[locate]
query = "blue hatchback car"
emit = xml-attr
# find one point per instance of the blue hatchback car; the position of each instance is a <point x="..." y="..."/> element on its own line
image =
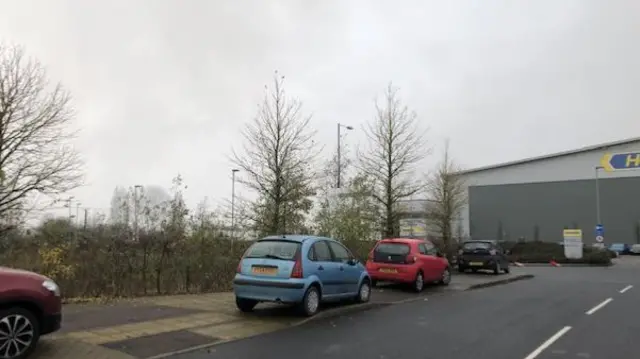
<point x="299" y="269"/>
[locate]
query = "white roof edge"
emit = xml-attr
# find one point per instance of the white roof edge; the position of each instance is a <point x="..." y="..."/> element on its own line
<point x="549" y="156"/>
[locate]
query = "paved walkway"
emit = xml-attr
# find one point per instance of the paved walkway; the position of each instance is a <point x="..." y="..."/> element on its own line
<point x="153" y="326"/>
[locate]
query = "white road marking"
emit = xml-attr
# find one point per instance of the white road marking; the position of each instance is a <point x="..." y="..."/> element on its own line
<point x="599" y="306"/>
<point x="534" y="354"/>
<point x="626" y="288"/>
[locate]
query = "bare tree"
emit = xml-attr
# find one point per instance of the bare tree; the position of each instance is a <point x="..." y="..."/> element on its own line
<point x="396" y="145"/>
<point x="35" y="120"/>
<point x="277" y="162"/>
<point x="449" y="194"/>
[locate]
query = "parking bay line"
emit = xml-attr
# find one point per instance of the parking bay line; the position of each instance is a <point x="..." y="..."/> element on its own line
<point x="599" y="306"/>
<point x="534" y="354"/>
<point x="625" y="289"/>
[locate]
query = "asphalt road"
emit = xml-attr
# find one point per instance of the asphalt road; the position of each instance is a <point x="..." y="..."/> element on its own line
<point x="514" y="321"/>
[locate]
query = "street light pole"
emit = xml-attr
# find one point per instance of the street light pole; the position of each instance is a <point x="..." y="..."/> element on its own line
<point x="340" y="152"/>
<point x="233" y="205"/>
<point x="68" y="200"/>
<point x="598" y="219"/>
<point x="135" y="211"/>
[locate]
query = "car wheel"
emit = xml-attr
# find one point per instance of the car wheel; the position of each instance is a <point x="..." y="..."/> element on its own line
<point x="364" y="293"/>
<point x="461" y="269"/>
<point x="506" y="269"/>
<point x="246" y="305"/>
<point x="374" y="283"/>
<point x="311" y="301"/>
<point x="418" y="283"/>
<point x="446" y="277"/>
<point x="497" y="269"/>
<point x="19" y="333"/>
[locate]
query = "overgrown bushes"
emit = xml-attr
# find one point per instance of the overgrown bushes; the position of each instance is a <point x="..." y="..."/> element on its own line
<point x="100" y="262"/>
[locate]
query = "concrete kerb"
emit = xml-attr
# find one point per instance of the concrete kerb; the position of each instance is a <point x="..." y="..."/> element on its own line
<point x="580" y="265"/>
<point x="501" y="281"/>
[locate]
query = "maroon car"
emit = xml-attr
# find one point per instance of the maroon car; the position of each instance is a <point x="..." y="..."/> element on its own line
<point x="30" y="306"/>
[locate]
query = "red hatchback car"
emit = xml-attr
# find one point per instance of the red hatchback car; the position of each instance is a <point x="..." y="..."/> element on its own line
<point x="407" y="260"/>
<point x="30" y="306"/>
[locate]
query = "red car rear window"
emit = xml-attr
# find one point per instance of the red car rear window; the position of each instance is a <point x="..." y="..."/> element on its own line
<point x="393" y="248"/>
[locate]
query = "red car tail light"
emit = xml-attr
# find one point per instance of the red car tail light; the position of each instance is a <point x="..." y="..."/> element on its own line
<point x="410" y="259"/>
<point x="296" y="272"/>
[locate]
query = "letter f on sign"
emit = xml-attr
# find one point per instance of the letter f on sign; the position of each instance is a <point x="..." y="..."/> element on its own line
<point x="633" y="160"/>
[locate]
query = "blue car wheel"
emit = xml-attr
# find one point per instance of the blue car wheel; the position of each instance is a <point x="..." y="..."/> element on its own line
<point x="246" y="305"/>
<point x="364" y="294"/>
<point x="311" y="301"/>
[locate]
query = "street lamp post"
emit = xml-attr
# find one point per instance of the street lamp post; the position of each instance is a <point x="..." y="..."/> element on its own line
<point x="135" y="211"/>
<point x="339" y="152"/>
<point x="598" y="219"/>
<point x="233" y="205"/>
<point x="68" y="200"/>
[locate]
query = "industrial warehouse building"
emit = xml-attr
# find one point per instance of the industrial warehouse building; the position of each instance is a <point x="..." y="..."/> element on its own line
<point x="536" y="198"/>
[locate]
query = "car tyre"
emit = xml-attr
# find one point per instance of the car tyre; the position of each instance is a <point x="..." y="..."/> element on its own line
<point x="29" y="335"/>
<point x="418" y="283"/>
<point x="497" y="268"/>
<point x="364" y="292"/>
<point x="446" y="277"/>
<point x="461" y="269"/>
<point x="246" y="305"/>
<point x="374" y="283"/>
<point x="507" y="270"/>
<point x="311" y="301"/>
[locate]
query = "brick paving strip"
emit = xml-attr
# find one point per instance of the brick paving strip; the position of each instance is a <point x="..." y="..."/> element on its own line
<point x="152" y="327"/>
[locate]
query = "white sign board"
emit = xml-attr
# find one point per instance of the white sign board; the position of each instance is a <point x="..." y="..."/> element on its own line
<point x="573" y="245"/>
<point x="413" y="228"/>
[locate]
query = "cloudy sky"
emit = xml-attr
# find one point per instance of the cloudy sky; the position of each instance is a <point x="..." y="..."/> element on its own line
<point x="163" y="87"/>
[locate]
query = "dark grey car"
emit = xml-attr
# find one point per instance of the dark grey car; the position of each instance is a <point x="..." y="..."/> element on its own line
<point x="482" y="255"/>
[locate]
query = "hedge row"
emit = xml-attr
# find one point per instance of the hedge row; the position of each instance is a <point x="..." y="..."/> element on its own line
<point x="106" y="267"/>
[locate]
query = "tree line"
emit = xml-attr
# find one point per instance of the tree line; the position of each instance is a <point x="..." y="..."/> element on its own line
<point x="169" y="248"/>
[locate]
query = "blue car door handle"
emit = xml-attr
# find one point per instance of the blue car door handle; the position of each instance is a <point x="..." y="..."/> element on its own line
<point x="320" y="268"/>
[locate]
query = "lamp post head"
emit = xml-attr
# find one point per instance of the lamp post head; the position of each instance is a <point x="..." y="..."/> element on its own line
<point x="235" y="170"/>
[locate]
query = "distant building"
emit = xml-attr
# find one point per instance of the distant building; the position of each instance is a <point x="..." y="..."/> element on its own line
<point x="536" y="198"/>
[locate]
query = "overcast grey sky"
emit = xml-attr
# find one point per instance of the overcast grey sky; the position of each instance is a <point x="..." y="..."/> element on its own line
<point x="163" y="87"/>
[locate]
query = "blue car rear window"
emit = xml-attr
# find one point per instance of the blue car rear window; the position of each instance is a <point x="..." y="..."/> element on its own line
<point x="273" y="249"/>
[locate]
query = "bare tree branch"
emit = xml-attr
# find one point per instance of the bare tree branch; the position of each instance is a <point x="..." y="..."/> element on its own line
<point x="449" y="194"/>
<point x="277" y="160"/>
<point x="396" y="145"/>
<point x="35" y="120"/>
